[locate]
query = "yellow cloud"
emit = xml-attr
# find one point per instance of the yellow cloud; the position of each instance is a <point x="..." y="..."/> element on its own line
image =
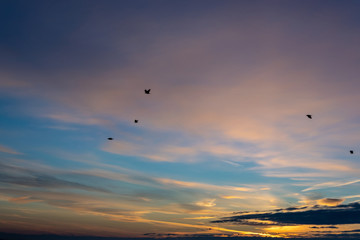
<point x="207" y="203"/>
<point x="232" y="197"/>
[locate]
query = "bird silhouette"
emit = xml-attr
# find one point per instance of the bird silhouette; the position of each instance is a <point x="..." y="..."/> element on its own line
<point x="309" y="116"/>
<point x="351" y="152"/>
<point x="136" y="121"/>
<point x="110" y="138"/>
<point x="147" y="91"/>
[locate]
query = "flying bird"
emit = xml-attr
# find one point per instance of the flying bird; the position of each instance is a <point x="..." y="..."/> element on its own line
<point x="309" y="116"/>
<point x="147" y="91"/>
<point x="136" y="121"/>
<point x="110" y="138"/>
<point x="351" y="152"/>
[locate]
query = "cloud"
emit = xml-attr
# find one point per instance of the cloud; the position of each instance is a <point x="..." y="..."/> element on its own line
<point x="23" y="199"/>
<point x="8" y="80"/>
<point x="333" y="227"/>
<point x="75" y="119"/>
<point x="331" y="215"/>
<point x="200" y="218"/>
<point x="304" y="163"/>
<point x="352" y="196"/>
<point x="8" y="150"/>
<point x="147" y="180"/>
<point x="207" y="203"/>
<point x="351" y="234"/>
<point x="232" y="197"/>
<point x="30" y="178"/>
<point x="330" y="201"/>
<point x="164" y="149"/>
<point x="65" y="128"/>
<point x="330" y="185"/>
<point x="44" y="181"/>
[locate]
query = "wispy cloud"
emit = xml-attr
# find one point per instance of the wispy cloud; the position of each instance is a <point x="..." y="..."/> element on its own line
<point x="8" y="150"/>
<point x="62" y="128"/>
<point x="73" y="118"/>
<point x="172" y="151"/>
<point x="29" y="178"/>
<point x="9" y="80"/>
<point x="330" y="185"/>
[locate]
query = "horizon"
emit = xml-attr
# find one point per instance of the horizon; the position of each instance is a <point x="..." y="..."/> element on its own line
<point x="182" y="119"/>
<point x="14" y="236"/>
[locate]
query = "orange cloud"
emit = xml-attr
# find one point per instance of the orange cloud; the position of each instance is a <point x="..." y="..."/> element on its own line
<point x="330" y="201"/>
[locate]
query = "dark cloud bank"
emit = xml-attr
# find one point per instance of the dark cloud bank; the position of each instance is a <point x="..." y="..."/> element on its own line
<point x="317" y="215"/>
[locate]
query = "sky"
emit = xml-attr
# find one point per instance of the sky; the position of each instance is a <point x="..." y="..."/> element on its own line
<point x="222" y="147"/>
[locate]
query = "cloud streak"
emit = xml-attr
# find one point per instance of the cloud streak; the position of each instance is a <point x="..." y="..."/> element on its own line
<point x="29" y="178"/>
<point x="8" y="150"/>
<point x="330" y="185"/>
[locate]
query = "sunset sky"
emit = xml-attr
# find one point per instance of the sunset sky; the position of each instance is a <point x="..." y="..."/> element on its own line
<point x="223" y="146"/>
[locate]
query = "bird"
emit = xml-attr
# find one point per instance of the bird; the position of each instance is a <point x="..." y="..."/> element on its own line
<point x="136" y="121"/>
<point x="351" y="152"/>
<point x="110" y="138"/>
<point x="309" y="116"/>
<point x="147" y="91"/>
